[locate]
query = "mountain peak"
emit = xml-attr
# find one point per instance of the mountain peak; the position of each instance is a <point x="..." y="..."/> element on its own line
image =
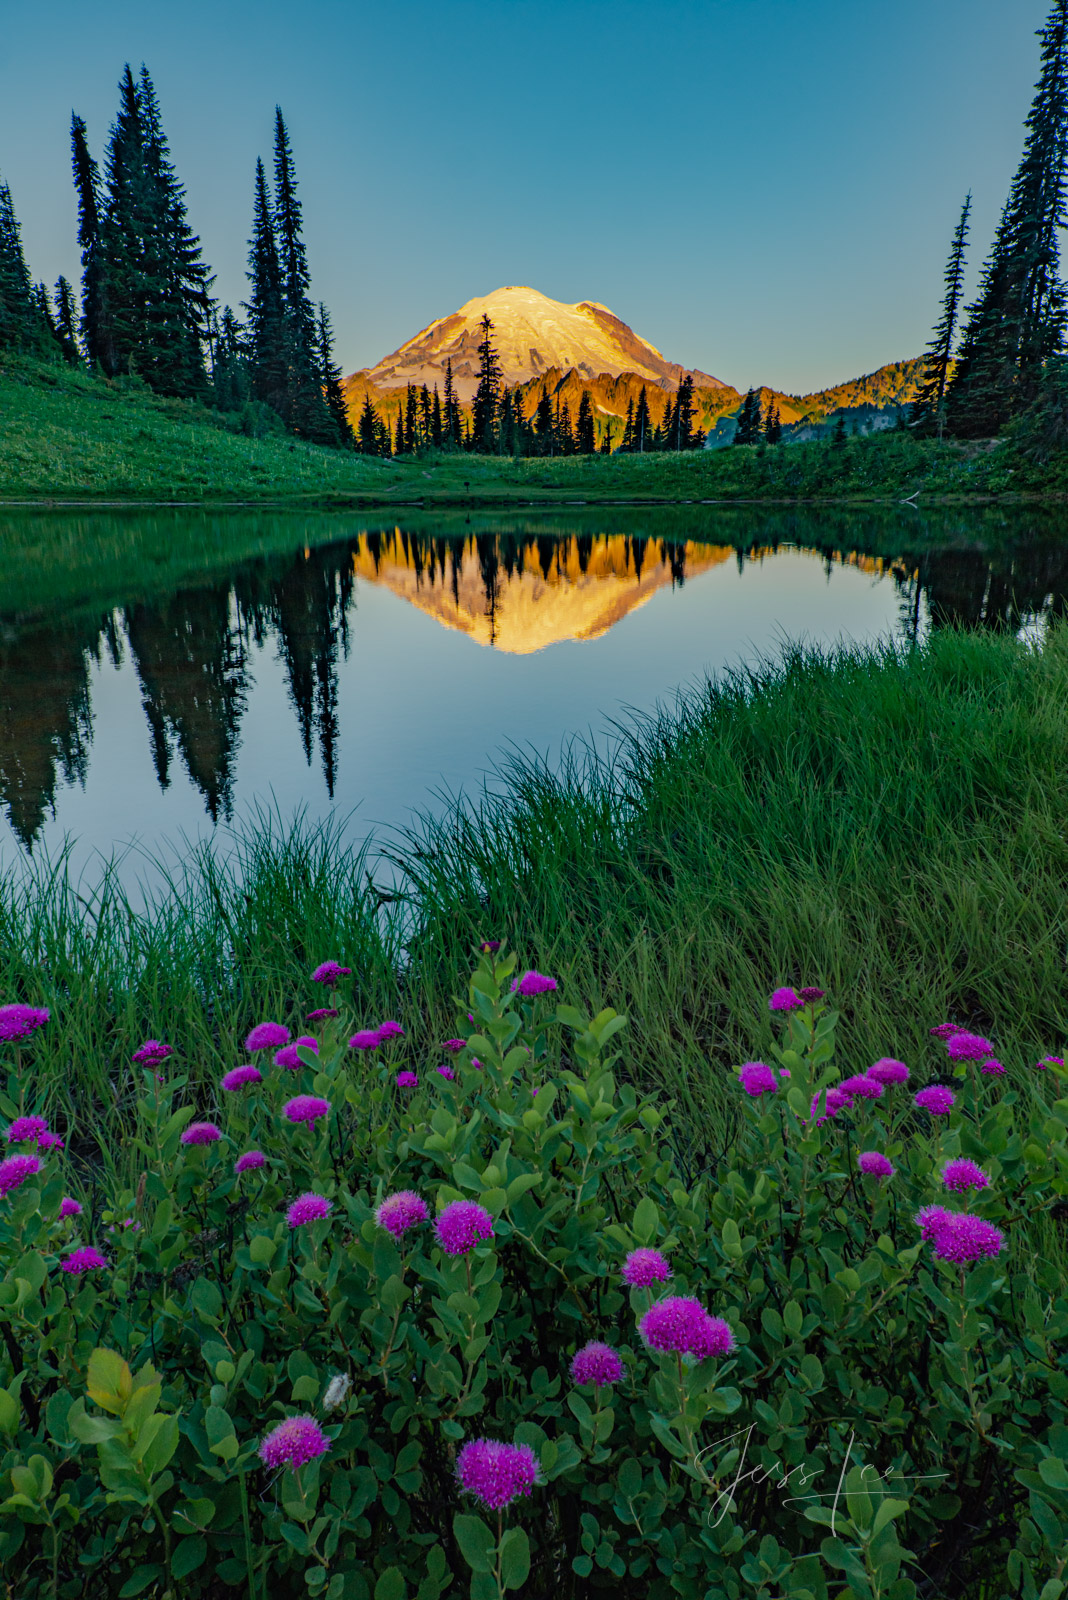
<point x="533" y="334"/>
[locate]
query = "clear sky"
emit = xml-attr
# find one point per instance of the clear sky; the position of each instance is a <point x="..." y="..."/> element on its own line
<point x="764" y="189"/>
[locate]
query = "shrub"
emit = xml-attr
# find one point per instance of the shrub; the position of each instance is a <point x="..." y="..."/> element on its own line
<point x="475" y="1335"/>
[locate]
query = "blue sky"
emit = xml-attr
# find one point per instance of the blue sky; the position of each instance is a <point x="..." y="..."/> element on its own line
<point x="765" y="189"/>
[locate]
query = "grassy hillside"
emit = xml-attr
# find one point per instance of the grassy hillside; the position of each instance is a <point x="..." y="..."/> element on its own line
<point x="66" y="436"/>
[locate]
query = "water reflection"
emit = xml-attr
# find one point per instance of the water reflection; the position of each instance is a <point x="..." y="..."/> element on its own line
<point x="190" y="614"/>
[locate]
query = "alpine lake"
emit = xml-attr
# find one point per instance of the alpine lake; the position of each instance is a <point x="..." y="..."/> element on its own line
<point x="170" y="672"/>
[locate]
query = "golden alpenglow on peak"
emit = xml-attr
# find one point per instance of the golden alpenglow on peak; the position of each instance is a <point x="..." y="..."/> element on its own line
<point x="532" y="335"/>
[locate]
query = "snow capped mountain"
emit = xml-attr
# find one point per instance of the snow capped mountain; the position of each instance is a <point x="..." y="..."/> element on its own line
<point x="532" y="334"/>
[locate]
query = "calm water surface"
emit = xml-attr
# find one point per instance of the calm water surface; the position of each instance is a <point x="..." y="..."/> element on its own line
<point x="163" y="673"/>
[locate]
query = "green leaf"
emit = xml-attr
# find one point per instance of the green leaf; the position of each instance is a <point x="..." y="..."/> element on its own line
<point x="261" y="1249"/>
<point x="888" y="1510"/>
<point x="732" y="1240"/>
<point x="477" y="1544"/>
<point x="515" y="1558"/>
<point x="1052" y="1472"/>
<point x="630" y="1479"/>
<point x="161" y="1446"/>
<point x="646" y="1220"/>
<point x="206" y="1300"/>
<point x="110" y="1381"/>
<point x="189" y="1555"/>
<point x="140" y="1580"/>
<point x="391" y="1585"/>
<point x="9" y="1413"/>
<point x="792" y="1318"/>
<point x="198" y="1513"/>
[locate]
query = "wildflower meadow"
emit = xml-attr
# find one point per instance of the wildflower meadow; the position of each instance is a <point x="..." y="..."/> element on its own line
<point x="372" y="1326"/>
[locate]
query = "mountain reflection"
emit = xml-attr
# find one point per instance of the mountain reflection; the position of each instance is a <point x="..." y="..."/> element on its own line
<point x="191" y="643"/>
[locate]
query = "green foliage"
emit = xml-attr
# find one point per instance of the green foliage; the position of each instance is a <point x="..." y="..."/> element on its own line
<point x="882" y="1417"/>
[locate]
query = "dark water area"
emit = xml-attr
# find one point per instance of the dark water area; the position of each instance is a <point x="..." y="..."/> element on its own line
<point x="163" y="673"/>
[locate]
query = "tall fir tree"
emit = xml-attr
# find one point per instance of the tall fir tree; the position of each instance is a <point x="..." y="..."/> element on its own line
<point x="486" y="410"/>
<point x="565" y="434"/>
<point x="687" y="437"/>
<point x="773" y="424"/>
<point x="368" y="436"/>
<point x="1019" y="320"/>
<point x="453" y="439"/>
<point x="642" y="426"/>
<point x="398" y="440"/>
<point x="22" y="325"/>
<point x="265" y="305"/>
<point x="231" y="375"/>
<point x="411" y="420"/>
<point x="330" y="377"/>
<point x="667" y="426"/>
<point x="96" y="337"/>
<point x="748" y="430"/>
<point x="67" y="322"/>
<point x="437" y="437"/>
<point x="627" y="441"/>
<point x="307" y="410"/>
<point x="425" y="422"/>
<point x="928" y="409"/>
<point x="543" y="424"/>
<point x="584" y="431"/>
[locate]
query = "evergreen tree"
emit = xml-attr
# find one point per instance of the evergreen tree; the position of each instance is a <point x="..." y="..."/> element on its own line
<point x="330" y="377"/>
<point x="667" y="427"/>
<point x="1019" y="319"/>
<point x="67" y="322"/>
<point x="928" y="409"/>
<point x="749" y="430"/>
<point x="96" y="336"/>
<point x="543" y="424"/>
<point x="606" y="442"/>
<point x="411" y="423"/>
<point x="453" y="438"/>
<point x="486" y="417"/>
<point x="306" y="409"/>
<point x="21" y="323"/>
<point x="687" y="437"/>
<point x="773" y="425"/>
<point x="627" y="441"/>
<point x="565" y="435"/>
<point x="231" y="375"/>
<point x="436" y="431"/>
<point x="398" y="440"/>
<point x="584" y="434"/>
<point x="265" y="306"/>
<point x="839" y="436"/>
<point x="641" y="431"/>
<point x="369" y="428"/>
<point x="424" y="417"/>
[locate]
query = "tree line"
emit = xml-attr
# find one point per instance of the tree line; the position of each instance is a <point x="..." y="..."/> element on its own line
<point x="146" y="308"/>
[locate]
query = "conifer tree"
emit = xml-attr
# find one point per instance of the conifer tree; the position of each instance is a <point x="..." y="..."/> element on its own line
<point x="687" y="437"/>
<point x="424" y="417"/>
<point x="398" y="440"/>
<point x="627" y="441"/>
<point x="453" y="439"/>
<point x="667" y="427"/>
<point x="748" y="430"/>
<point x="21" y="323"/>
<point x="230" y="374"/>
<point x="773" y="424"/>
<point x="606" y="442"/>
<point x="839" y="436"/>
<point x="330" y="376"/>
<point x="369" y="428"/>
<point x="306" y="409"/>
<point x="1019" y="319"/>
<point x="543" y="424"/>
<point x="584" y="434"/>
<point x="565" y="434"/>
<point x="411" y="422"/>
<point x="928" y="409"/>
<point x="486" y="410"/>
<point x="640" y="427"/>
<point x="436" y="432"/>
<point x="96" y="336"/>
<point x="265" y="306"/>
<point x="67" y="322"/>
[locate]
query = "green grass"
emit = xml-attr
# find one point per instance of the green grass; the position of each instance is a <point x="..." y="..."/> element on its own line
<point x="889" y="826"/>
<point x="68" y="436"/>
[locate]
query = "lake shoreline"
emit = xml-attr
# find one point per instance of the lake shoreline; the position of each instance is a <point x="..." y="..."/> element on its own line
<point x="451" y="502"/>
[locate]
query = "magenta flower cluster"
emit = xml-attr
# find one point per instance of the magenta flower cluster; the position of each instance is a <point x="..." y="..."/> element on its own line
<point x="307" y="1208"/>
<point x="17" y="1022"/>
<point x="287" y="1057"/>
<point x="329" y="972"/>
<point x="875" y="1164"/>
<point x="936" y="1099"/>
<point x="401" y="1211"/>
<point x="241" y="1077"/>
<point x="680" y="1324"/>
<point x="958" y="1236"/>
<point x="250" y="1161"/>
<point x="321" y="1013"/>
<point x="294" y="1443"/>
<point x="888" y="1071"/>
<point x="532" y="983"/>
<point x="69" y="1207"/>
<point x="152" y="1053"/>
<point x="455" y="1045"/>
<point x="15" y="1170"/>
<point x="785" y="1000"/>
<point x="27" y="1130"/>
<point x="964" y="1046"/>
<point x="407" y="1080"/>
<point x="495" y="1473"/>
<point x="201" y="1133"/>
<point x="961" y="1175"/>
<point x="446" y="1071"/>
<point x="85" y="1259"/>
<point x="596" y="1363"/>
<point x="461" y="1226"/>
<point x="644" y="1267"/>
<point x="757" y="1078"/>
<point x="267" y="1036"/>
<point x="306" y="1108"/>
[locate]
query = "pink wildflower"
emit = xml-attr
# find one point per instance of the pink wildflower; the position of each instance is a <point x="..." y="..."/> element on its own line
<point x="389" y="1030"/>
<point x="287" y="1057"/>
<point x="966" y="1046"/>
<point x="308" y="1207"/>
<point x="329" y="972"/>
<point x="250" y="1161"/>
<point x="401" y="1211"/>
<point x="446" y="1071"/>
<point x="50" y="1141"/>
<point x="644" y="1267"/>
<point x="810" y="996"/>
<point x="85" y="1259"/>
<point x="875" y="1164"/>
<point x="201" y="1133"/>
<point x="27" y="1130"/>
<point x="238" y="1077"/>
<point x="455" y="1045"/>
<point x="321" y="1014"/>
<point x="938" y="1100"/>
<point x="946" y="1030"/>
<point x="596" y="1363"/>
<point x="1047" y="1062"/>
<point x="267" y="1036"/>
<point x="489" y="947"/>
<point x="152" y="1053"/>
<point x="69" y="1207"/>
<point x="17" y="1022"/>
<point x="461" y="1226"/>
<point x="306" y="1108"/>
<point x="785" y="1000"/>
<point x="887" y="1070"/>
<point x="961" y="1175"/>
<point x="681" y="1324"/>
<point x="959" y="1237"/>
<point x="366" y="1039"/>
<point x="993" y="1067"/>
<point x="407" y="1080"/>
<point x="294" y="1443"/>
<point x="15" y="1170"/>
<point x="757" y="1078"/>
<point x="862" y="1087"/>
<point x="532" y="983"/>
<point x="930" y="1218"/>
<point x="496" y="1474"/>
